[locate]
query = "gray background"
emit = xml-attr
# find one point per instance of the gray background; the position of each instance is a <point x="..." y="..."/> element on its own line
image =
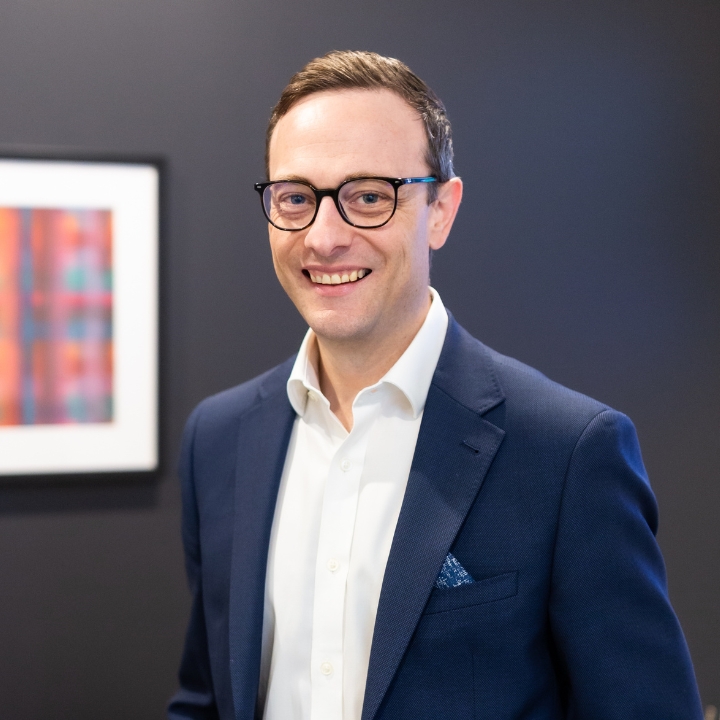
<point x="587" y="245"/>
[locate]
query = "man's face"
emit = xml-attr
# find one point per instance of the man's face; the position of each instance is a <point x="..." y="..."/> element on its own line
<point x="325" y="139"/>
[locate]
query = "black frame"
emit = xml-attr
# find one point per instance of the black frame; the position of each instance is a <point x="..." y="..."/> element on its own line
<point x="160" y="162"/>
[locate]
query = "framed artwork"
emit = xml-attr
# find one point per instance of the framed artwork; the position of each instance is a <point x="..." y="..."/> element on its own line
<point x="79" y="246"/>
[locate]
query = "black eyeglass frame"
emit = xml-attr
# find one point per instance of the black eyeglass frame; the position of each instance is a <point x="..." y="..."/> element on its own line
<point x="335" y="195"/>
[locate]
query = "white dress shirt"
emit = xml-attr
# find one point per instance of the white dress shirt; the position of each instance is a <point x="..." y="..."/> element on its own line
<point x="335" y="517"/>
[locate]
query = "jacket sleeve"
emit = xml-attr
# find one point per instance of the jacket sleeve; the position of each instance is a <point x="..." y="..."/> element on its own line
<point x="195" y="699"/>
<point x="619" y="642"/>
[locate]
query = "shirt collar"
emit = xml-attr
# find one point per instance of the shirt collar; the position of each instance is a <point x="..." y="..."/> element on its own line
<point x="304" y="378"/>
<point x="411" y="374"/>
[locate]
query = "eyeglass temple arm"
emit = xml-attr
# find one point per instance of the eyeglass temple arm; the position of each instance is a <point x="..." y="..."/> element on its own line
<point x="413" y="180"/>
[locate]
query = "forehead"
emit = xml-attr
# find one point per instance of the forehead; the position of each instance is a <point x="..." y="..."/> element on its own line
<point x="329" y="136"/>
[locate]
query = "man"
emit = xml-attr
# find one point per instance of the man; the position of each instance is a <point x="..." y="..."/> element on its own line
<point x="400" y="522"/>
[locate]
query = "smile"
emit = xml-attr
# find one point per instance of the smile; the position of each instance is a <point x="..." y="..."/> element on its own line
<point x="336" y="278"/>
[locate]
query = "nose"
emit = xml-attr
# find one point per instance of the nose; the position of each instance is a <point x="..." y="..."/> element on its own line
<point x="329" y="232"/>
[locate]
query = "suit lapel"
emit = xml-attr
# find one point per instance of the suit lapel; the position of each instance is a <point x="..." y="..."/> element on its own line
<point x="454" y="450"/>
<point x="263" y="439"/>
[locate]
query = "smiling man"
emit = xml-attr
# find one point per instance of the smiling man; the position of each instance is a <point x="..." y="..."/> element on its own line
<point x="362" y="290"/>
<point x="400" y="522"/>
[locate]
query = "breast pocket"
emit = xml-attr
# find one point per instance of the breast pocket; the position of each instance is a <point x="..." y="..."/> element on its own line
<point x="485" y="590"/>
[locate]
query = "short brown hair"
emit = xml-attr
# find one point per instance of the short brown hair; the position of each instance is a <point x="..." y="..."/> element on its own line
<point x="355" y="70"/>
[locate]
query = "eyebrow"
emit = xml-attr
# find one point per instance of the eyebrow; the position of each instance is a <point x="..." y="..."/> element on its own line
<point x="352" y="176"/>
<point x="293" y="178"/>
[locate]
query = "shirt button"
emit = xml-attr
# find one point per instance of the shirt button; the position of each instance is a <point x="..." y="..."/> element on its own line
<point x="312" y="396"/>
<point x="345" y="465"/>
<point x="333" y="565"/>
<point x="326" y="668"/>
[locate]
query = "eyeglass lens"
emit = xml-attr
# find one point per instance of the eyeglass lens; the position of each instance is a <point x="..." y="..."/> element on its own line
<point x="366" y="202"/>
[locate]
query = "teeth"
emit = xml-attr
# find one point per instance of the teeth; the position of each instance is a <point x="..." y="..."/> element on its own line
<point x="337" y="279"/>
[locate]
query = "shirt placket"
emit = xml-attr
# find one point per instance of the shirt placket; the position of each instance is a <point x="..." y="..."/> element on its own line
<point x="337" y="527"/>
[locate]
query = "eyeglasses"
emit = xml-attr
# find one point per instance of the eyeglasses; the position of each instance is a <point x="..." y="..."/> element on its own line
<point x="367" y="202"/>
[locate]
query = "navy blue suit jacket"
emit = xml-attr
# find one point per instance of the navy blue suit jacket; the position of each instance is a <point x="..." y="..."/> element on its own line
<point x="539" y="492"/>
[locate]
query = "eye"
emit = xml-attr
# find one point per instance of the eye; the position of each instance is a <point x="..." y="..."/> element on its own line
<point x="293" y="199"/>
<point x="367" y="200"/>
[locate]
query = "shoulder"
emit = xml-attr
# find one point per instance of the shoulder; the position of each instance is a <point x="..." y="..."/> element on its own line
<point x="543" y="417"/>
<point x="506" y="389"/>
<point x="224" y="410"/>
<point x="526" y="387"/>
<point x="540" y="418"/>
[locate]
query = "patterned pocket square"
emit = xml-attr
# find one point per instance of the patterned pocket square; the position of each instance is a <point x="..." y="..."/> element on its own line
<point x="453" y="574"/>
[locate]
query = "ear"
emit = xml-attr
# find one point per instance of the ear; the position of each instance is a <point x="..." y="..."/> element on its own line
<point x="443" y="211"/>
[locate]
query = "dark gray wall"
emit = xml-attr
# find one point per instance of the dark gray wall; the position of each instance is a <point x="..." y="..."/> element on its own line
<point x="587" y="245"/>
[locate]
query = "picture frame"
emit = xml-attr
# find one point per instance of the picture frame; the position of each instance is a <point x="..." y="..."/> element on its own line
<point x="79" y="315"/>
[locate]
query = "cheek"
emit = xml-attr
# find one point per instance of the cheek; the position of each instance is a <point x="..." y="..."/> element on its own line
<point x="281" y="249"/>
<point x="415" y="248"/>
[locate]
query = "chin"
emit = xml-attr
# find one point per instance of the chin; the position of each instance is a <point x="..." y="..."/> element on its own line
<point x="339" y="328"/>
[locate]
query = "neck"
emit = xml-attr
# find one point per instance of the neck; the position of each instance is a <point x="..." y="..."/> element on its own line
<point x="345" y="368"/>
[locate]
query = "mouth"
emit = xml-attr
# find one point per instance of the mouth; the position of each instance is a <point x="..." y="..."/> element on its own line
<point x="336" y="278"/>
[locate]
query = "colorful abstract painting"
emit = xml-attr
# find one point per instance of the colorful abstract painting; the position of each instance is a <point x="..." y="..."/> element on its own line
<point x="56" y="342"/>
